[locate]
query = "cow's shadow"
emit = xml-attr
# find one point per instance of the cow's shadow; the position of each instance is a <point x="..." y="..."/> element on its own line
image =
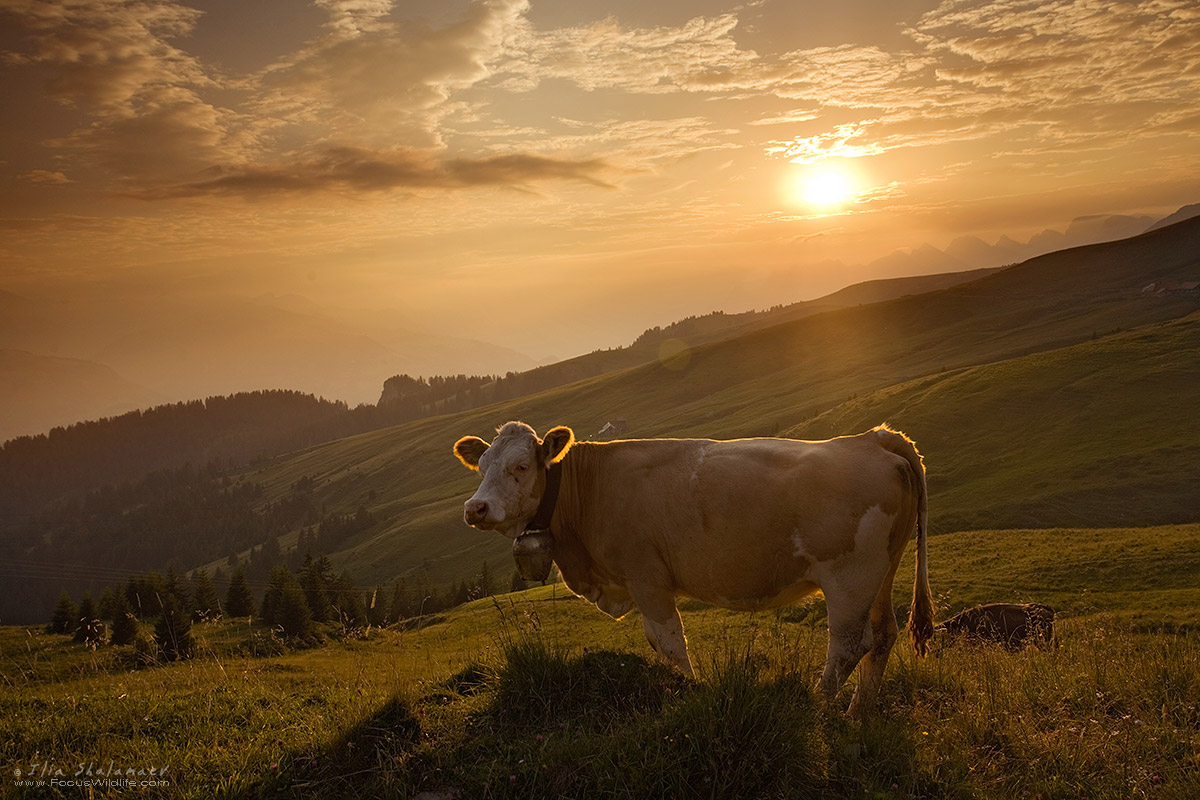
<point x="367" y="757"/>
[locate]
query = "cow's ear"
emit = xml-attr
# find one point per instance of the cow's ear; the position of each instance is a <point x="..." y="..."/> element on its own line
<point x="556" y="444"/>
<point x="469" y="449"/>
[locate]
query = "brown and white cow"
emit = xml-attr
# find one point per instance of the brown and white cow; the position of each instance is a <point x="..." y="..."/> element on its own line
<point x="1010" y="624"/>
<point x="744" y="524"/>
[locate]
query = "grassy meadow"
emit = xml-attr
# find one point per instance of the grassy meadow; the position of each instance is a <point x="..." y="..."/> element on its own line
<point x="537" y="694"/>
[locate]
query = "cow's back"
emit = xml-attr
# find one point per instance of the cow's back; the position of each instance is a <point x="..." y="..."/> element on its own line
<point x="746" y="523"/>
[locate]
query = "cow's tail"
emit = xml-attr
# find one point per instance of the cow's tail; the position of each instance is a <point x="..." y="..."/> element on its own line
<point x="920" y="617"/>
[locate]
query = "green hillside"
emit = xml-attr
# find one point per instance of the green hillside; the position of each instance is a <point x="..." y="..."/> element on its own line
<point x="789" y="377"/>
<point x="1099" y="433"/>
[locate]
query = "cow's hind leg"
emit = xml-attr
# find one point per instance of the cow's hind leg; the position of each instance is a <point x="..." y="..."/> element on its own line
<point x="884" y="630"/>
<point x="849" y="638"/>
<point x="663" y="627"/>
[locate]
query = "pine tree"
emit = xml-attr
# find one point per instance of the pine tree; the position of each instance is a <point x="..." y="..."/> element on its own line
<point x="273" y="597"/>
<point x="285" y="606"/>
<point x="108" y="602"/>
<point x="219" y="581"/>
<point x="204" y="597"/>
<point x="348" y="603"/>
<point x="89" y="630"/>
<point x="316" y="580"/>
<point x="517" y="583"/>
<point x="66" y="615"/>
<point x="124" y="623"/>
<point x="294" y="615"/>
<point x="377" y="608"/>
<point x="176" y="586"/>
<point x="487" y="585"/>
<point x="239" y="600"/>
<point x="173" y="633"/>
<point x="401" y="604"/>
<point x="461" y="595"/>
<point x="143" y="593"/>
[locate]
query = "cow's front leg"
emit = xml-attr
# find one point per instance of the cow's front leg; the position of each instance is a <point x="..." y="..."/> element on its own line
<point x="664" y="629"/>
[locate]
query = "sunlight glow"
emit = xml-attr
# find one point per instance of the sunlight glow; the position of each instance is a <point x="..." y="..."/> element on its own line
<point x="825" y="188"/>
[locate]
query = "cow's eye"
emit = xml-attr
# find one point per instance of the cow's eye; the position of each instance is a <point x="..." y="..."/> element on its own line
<point x="522" y="467"/>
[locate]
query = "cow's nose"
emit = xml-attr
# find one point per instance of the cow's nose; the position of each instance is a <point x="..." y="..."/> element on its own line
<point x="476" y="511"/>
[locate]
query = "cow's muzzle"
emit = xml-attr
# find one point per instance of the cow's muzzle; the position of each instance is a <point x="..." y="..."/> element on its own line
<point x="475" y="512"/>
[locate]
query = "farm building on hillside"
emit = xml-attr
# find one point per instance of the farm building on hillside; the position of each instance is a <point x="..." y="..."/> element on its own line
<point x="613" y="428"/>
<point x="1173" y="287"/>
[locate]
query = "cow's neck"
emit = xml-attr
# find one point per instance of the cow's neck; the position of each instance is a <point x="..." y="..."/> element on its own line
<point x="570" y="515"/>
<point x="545" y="510"/>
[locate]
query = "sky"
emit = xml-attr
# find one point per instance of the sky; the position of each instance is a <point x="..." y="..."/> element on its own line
<point x="557" y="176"/>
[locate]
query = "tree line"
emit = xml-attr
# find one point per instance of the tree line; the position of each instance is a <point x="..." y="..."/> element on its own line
<point x="154" y="613"/>
<point x="182" y="515"/>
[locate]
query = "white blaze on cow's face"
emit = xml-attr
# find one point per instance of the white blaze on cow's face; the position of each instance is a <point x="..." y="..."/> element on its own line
<point x="513" y="471"/>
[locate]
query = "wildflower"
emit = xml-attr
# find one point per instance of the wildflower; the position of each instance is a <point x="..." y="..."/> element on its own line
<point x="539" y="737"/>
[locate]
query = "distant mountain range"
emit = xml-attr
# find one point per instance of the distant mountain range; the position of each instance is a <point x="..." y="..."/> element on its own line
<point x="971" y="252"/>
<point x="66" y="360"/>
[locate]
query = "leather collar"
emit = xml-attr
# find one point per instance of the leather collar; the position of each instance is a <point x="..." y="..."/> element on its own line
<point x="545" y="510"/>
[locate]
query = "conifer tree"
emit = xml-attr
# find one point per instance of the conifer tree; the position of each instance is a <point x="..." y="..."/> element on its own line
<point x="401" y="604"/>
<point x="124" y="623"/>
<point x="66" y="615"/>
<point x="89" y="629"/>
<point x="348" y="602"/>
<point x="461" y="595"/>
<point x="517" y="583"/>
<point x="285" y="606"/>
<point x="204" y="596"/>
<point x="143" y="593"/>
<point x="173" y="632"/>
<point x="316" y="580"/>
<point x="294" y="615"/>
<point x="176" y="586"/>
<point x="487" y="584"/>
<point x="239" y="600"/>
<point x="108" y="601"/>
<point x="377" y="608"/>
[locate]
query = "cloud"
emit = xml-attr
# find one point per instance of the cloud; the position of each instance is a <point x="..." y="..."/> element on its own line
<point x="346" y="168"/>
<point x="372" y="104"/>
<point x="370" y="80"/>
<point x="1043" y="76"/>
<point x="699" y="55"/>
<point x="103" y="54"/>
<point x="114" y="62"/>
<point x="44" y="176"/>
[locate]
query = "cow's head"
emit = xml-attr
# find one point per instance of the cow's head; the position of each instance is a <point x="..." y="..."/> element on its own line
<point x="513" y="468"/>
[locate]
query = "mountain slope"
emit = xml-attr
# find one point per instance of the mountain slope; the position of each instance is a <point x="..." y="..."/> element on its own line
<point x="1187" y="212"/>
<point x="39" y="392"/>
<point x="764" y="382"/>
<point x="1097" y="433"/>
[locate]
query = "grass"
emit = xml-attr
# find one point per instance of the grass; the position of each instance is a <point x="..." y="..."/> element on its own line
<point x="539" y="695"/>
<point x="1082" y="435"/>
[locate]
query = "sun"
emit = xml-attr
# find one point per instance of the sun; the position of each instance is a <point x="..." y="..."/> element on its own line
<point x="825" y="188"/>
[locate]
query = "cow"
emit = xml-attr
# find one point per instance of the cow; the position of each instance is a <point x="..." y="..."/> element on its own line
<point x="745" y="524"/>
<point x="1010" y="624"/>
